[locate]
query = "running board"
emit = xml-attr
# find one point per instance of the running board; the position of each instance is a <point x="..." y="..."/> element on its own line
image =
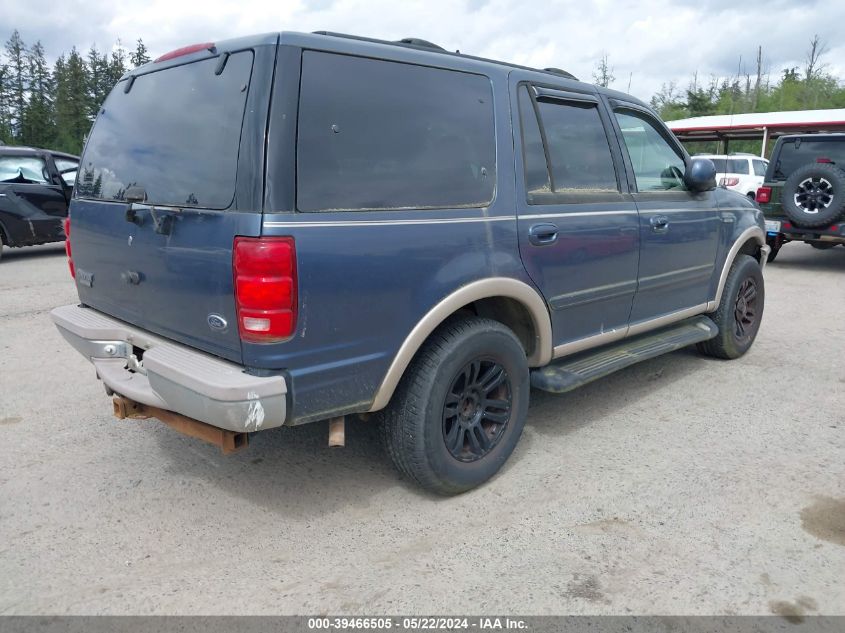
<point x="574" y="371"/>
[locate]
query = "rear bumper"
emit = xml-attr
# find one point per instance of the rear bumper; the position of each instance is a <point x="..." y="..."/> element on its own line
<point x="173" y="376"/>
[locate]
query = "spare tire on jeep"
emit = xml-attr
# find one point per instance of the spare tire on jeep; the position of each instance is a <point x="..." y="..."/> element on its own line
<point x="814" y="195"/>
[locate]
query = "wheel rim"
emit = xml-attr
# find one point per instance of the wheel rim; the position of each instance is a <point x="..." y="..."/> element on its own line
<point x="477" y="410"/>
<point x="745" y="310"/>
<point x="813" y="195"/>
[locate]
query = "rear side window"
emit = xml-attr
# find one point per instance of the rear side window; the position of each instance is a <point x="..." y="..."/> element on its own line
<point x="577" y="145"/>
<point x="176" y="133"/>
<point x="721" y="165"/>
<point x="738" y="166"/>
<point x="23" y="169"/>
<point x="385" y="135"/>
<point x="759" y="167"/>
<point x="797" y="152"/>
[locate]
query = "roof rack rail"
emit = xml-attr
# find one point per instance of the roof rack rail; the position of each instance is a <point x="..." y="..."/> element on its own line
<point x="561" y="72"/>
<point x="415" y="41"/>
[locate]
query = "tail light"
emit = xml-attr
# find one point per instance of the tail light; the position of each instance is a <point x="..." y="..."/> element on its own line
<point x="265" y="288"/>
<point x="728" y="182"/>
<point x="66" y="225"/>
<point x="764" y="195"/>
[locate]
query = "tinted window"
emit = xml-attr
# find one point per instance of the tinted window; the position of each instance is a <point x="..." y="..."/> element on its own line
<point x="739" y="166"/>
<point x="721" y="164"/>
<point x="797" y="152"/>
<point x="23" y="169"/>
<point x="759" y="167"/>
<point x="536" y="171"/>
<point x="657" y="166"/>
<point x="385" y="135"/>
<point x="578" y="150"/>
<point x="176" y="134"/>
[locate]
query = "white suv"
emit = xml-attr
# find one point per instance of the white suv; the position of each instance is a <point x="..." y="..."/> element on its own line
<point x="739" y="172"/>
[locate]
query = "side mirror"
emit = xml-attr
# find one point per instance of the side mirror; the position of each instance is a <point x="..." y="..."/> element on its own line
<point x="700" y="175"/>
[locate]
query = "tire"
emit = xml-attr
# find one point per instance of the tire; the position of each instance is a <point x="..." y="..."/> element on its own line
<point x="814" y="195"/>
<point x="1" y="245"/>
<point x="440" y="398"/>
<point x="740" y="311"/>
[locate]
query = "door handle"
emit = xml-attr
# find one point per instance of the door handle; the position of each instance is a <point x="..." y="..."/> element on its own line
<point x="542" y="234"/>
<point x="659" y="223"/>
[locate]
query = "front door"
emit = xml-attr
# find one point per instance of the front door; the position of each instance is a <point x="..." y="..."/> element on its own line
<point x="679" y="230"/>
<point x="578" y="226"/>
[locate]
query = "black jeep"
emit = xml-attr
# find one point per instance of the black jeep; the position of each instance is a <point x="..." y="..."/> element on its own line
<point x="803" y="196"/>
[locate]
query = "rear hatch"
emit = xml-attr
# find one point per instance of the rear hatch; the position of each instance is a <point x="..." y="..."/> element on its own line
<point x="172" y="138"/>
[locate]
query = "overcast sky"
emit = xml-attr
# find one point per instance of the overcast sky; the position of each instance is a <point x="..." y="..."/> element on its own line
<point x="648" y="41"/>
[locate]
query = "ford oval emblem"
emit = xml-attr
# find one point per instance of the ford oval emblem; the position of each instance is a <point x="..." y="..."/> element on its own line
<point x="217" y="322"/>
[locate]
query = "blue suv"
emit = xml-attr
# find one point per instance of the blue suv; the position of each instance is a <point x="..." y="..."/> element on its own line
<point x="289" y="228"/>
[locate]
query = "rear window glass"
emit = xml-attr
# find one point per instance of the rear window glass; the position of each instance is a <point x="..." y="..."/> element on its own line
<point x="176" y="133"/>
<point x="731" y="165"/>
<point x="795" y="153"/>
<point x="385" y="135"/>
<point x="23" y="169"/>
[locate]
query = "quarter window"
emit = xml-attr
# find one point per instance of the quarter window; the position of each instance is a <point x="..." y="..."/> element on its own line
<point x="386" y="135"/>
<point x="536" y="169"/>
<point x="759" y="167"/>
<point x="657" y="166"/>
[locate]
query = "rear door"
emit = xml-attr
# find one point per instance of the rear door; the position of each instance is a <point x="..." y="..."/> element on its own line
<point x="190" y="137"/>
<point x="679" y="230"/>
<point x="577" y="223"/>
<point x="32" y="201"/>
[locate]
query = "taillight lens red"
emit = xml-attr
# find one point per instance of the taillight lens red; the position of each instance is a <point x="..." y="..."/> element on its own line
<point x="265" y="288"/>
<point x="728" y="182"/>
<point x="764" y="194"/>
<point x="66" y="226"/>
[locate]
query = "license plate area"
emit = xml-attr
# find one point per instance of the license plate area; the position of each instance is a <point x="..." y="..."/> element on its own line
<point x="772" y="226"/>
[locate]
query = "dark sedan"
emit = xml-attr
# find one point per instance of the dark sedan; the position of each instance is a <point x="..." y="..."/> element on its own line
<point x="35" y="187"/>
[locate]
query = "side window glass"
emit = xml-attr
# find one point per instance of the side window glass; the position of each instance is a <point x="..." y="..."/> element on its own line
<point x="386" y="135"/>
<point x="578" y="148"/>
<point x="67" y="169"/>
<point x="759" y="168"/>
<point x="657" y="166"/>
<point x="739" y="166"/>
<point x="534" y="156"/>
<point x="23" y="170"/>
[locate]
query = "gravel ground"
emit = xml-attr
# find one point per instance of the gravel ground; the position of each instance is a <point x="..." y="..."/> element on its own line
<point x="682" y="485"/>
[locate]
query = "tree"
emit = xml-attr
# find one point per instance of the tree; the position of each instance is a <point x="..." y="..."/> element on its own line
<point x="5" y="112"/>
<point x="117" y="64"/>
<point x="17" y="82"/>
<point x="140" y="56"/>
<point x="603" y="73"/>
<point x="99" y="81"/>
<point x="72" y="102"/>
<point x="37" y="121"/>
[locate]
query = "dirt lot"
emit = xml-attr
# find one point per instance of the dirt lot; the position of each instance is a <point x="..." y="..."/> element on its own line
<point x="679" y="486"/>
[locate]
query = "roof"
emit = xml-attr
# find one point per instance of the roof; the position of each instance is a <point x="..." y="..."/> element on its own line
<point x="751" y="125"/>
<point x="18" y="150"/>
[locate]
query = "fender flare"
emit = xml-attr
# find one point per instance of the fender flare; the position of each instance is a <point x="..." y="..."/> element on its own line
<point x="753" y="232"/>
<point x="493" y="287"/>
